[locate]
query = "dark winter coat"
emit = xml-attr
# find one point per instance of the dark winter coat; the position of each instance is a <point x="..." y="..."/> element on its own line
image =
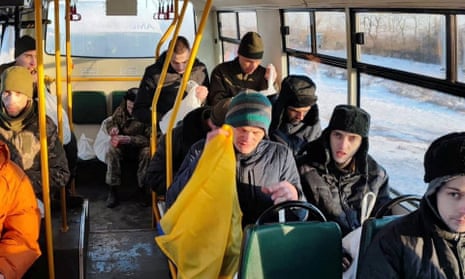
<point x="415" y="246"/>
<point x="338" y="194"/>
<point x="188" y="132"/>
<point x="169" y="91"/>
<point x="270" y="163"/>
<point x="227" y="80"/>
<point x="294" y="136"/>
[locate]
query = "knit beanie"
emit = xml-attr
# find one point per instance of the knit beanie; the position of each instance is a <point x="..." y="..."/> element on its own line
<point x="18" y="79"/>
<point x="251" y="46"/>
<point x="218" y="113"/>
<point x="350" y="119"/>
<point x="23" y="44"/>
<point x="249" y="109"/>
<point x="300" y="91"/>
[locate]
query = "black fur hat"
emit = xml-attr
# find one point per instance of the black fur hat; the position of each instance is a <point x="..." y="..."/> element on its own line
<point x="445" y="156"/>
<point x="350" y="119"/>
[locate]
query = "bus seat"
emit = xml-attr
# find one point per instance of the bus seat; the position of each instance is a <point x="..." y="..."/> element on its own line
<point x="374" y="224"/>
<point x="116" y="97"/>
<point x="299" y="249"/>
<point x="370" y="227"/>
<point x="89" y="107"/>
<point x="291" y="250"/>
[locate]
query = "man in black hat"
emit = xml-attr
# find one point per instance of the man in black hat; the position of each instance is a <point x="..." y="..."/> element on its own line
<point x="242" y="74"/>
<point x="430" y="242"/>
<point x="337" y="170"/>
<point x="129" y="140"/>
<point x="295" y="118"/>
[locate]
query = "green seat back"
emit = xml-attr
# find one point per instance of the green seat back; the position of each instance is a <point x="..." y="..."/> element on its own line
<point x="89" y="107"/>
<point x="369" y="229"/>
<point x="291" y="250"/>
<point x="116" y="98"/>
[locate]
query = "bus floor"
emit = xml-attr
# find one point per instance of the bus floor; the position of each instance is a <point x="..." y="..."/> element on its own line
<point x="121" y="239"/>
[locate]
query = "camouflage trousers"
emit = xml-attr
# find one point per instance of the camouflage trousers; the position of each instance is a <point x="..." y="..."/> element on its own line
<point x="114" y="158"/>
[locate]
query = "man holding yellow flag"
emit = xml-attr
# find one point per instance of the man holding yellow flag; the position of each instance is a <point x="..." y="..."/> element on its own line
<point x="266" y="172"/>
<point x="206" y="247"/>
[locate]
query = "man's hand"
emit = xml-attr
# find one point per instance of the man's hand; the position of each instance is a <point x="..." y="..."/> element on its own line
<point x="116" y="140"/>
<point x="214" y="133"/>
<point x="201" y="93"/>
<point x="281" y="192"/>
<point x="114" y="131"/>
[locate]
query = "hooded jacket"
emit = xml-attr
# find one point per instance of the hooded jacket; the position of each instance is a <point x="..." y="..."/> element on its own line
<point x="339" y="193"/>
<point x="417" y="245"/>
<point x="19" y="219"/>
<point x="294" y="136"/>
<point x="169" y="91"/>
<point x="270" y="163"/>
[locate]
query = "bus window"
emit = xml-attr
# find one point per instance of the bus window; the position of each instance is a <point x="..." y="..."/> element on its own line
<point x="412" y="42"/>
<point x="299" y="37"/>
<point x="98" y="35"/>
<point x="404" y="120"/>
<point x="331" y="33"/>
<point x="7" y="45"/>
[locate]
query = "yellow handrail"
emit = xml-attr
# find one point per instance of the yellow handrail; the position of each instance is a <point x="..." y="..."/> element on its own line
<point x="64" y="221"/>
<point x="43" y="137"/>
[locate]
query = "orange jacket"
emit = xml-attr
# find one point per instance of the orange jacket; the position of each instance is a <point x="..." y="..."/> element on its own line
<point x="19" y="219"/>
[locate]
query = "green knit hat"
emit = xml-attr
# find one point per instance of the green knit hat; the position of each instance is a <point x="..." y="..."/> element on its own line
<point x="251" y="46"/>
<point x="249" y="109"/>
<point x="18" y="79"/>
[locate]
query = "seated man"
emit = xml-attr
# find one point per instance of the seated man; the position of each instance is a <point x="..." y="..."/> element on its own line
<point x="191" y="129"/>
<point x="172" y="82"/>
<point x="20" y="220"/>
<point x="266" y="171"/>
<point x="295" y="120"/>
<point x="129" y="140"/>
<point x="19" y="129"/>
<point x="337" y="170"/>
<point x="242" y="74"/>
<point x="427" y="243"/>
<point x="26" y="56"/>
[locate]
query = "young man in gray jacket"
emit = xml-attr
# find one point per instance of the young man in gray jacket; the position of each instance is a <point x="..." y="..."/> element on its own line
<point x="266" y="172"/>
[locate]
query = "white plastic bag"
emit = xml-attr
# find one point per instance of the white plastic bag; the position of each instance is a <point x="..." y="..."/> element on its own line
<point x="189" y="103"/>
<point x="351" y="242"/>
<point x="102" y="140"/>
<point x="85" y="150"/>
<point x="271" y="79"/>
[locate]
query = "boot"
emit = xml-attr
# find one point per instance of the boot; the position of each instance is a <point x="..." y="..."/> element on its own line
<point x="112" y="199"/>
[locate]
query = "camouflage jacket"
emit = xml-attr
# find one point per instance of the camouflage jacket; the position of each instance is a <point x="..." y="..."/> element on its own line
<point x="129" y="126"/>
<point x="24" y="146"/>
